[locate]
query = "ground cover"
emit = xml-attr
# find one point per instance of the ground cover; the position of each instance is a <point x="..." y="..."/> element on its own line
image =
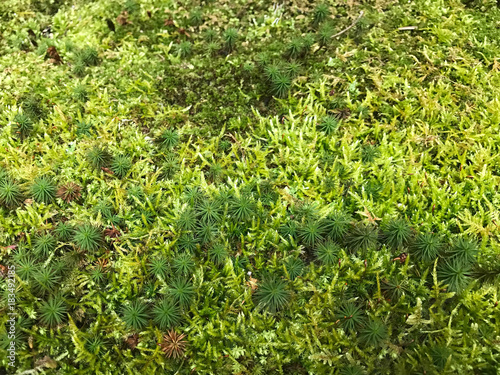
<point x="248" y="187"/>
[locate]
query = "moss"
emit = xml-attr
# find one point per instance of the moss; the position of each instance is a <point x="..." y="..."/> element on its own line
<point x="207" y="146"/>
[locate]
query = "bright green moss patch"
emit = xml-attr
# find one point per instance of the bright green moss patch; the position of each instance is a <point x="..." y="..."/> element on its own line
<point x="237" y="187"/>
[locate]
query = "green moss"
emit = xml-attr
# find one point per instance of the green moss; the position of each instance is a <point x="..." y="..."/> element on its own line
<point x="238" y="140"/>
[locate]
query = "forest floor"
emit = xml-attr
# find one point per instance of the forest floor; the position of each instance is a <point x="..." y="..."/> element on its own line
<point x="248" y="187"/>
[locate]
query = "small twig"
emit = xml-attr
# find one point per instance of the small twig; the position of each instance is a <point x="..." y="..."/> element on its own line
<point x="405" y="28"/>
<point x="234" y="139"/>
<point x="239" y="144"/>
<point x="350" y="26"/>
